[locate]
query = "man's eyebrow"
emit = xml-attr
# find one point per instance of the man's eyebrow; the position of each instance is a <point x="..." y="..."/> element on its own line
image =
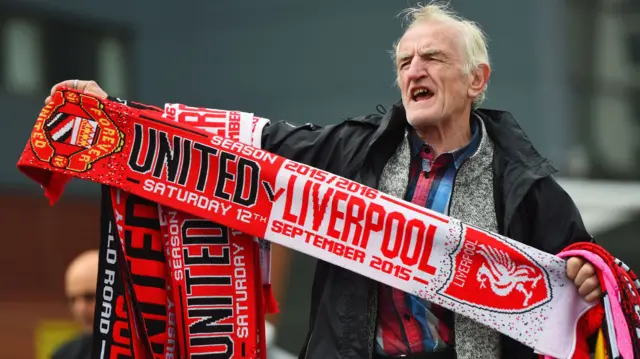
<point x="403" y="56"/>
<point x="432" y="53"/>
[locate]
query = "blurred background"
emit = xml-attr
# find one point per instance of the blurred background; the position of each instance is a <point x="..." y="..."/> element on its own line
<point x="568" y="70"/>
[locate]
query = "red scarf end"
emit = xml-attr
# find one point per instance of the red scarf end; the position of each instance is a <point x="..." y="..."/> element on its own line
<point x="270" y="302"/>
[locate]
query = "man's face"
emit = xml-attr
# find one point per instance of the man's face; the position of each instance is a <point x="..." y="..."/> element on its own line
<point x="430" y="73"/>
<point x="80" y="289"/>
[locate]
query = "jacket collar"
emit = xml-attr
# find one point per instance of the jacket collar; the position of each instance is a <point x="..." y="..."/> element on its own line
<point x="502" y="128"/>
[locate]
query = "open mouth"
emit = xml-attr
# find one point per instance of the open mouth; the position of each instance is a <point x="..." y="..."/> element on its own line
<point x="421" y="94"/>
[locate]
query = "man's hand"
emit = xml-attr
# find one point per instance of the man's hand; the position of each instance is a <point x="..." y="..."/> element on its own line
<point x="584" y="276"/>
<point x="90" y="87"/>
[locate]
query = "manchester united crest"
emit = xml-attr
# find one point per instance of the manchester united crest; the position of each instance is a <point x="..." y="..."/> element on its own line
<point x="73" y="131"/>
<point x="496" y="276"/>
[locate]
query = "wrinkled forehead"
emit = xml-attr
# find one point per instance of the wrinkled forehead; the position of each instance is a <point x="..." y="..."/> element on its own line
<point x="430" y="37"/>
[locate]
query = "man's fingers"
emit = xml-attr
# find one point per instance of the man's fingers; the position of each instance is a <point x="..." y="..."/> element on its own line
<point x="584" y="276"/>
<point x="589" y="285"/>
<point x="586" y="272"/>
<point x="66" y="83"/>
<point x="80" y="85"/>
<point x="89" y="87"/>
<point x="573" y="266"/>
<point x="594" y="295"/>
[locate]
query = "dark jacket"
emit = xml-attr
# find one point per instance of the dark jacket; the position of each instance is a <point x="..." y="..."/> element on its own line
<point x="530" y="206"/>
<point x="77" y="348"/>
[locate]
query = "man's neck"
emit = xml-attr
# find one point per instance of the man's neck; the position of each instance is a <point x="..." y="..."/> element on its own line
<point x="448" y="135"/>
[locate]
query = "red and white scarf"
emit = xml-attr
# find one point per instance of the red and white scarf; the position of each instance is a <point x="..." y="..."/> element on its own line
<point x="516" y="289"/>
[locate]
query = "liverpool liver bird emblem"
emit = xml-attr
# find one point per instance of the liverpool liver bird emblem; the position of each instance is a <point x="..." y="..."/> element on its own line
<point x="504" y="275"/>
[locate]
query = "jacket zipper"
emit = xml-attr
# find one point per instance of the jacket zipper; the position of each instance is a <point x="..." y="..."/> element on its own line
<point x="453" y="185"/>
<point x="306" y="350"/>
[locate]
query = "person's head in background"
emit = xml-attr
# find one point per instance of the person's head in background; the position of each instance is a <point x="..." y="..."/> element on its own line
<point x="80" y="287"/>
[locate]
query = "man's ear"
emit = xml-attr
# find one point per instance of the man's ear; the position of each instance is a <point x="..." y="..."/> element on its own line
<point x="479" y="80"/>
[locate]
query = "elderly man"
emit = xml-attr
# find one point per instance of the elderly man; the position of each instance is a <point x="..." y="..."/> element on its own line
<point x="80" y="288"/>
<point x="438" y="149"/>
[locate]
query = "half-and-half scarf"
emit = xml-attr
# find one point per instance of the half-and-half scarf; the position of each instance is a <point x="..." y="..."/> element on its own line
<point x="214" y="195"/>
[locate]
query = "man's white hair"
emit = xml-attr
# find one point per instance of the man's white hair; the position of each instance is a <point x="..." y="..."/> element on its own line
<point x="474" y="41"/>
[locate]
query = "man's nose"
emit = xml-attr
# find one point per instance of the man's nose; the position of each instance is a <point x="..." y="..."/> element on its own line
<point x="416" y="69"/>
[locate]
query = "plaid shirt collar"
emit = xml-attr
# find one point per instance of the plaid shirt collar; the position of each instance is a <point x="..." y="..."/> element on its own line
<point x="425" y="151"/>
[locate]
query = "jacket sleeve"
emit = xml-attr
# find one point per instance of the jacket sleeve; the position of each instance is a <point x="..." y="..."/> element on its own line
<point x="551" y="218"/>
<point x="325" y="147"/>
